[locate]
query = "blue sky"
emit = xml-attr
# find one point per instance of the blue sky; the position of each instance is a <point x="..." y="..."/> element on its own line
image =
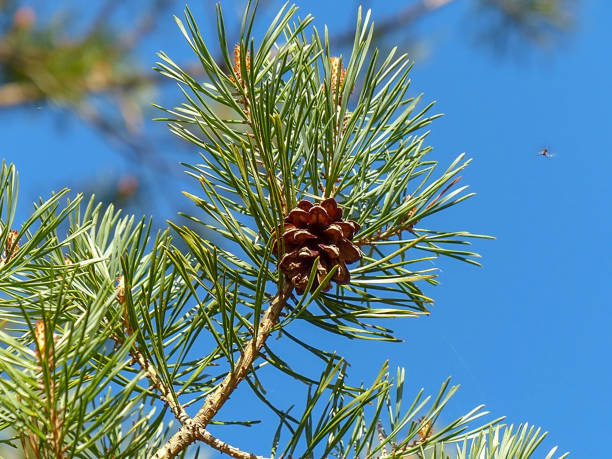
<point x="528" y="333"/>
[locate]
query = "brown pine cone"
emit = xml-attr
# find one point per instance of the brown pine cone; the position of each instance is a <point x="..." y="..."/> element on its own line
<point x="312" y="231"/>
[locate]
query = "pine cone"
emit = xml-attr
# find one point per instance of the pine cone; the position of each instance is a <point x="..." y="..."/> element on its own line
<point x="312" y="231"/>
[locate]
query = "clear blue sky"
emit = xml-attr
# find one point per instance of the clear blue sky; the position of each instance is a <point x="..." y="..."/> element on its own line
<point x="529" y="333"/>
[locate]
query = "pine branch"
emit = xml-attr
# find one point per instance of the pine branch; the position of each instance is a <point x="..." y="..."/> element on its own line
<point x="206" y="437"/>
<point x="195" y="428"/>
<point x="165" y="394"/>
<point x="300" y="137"/>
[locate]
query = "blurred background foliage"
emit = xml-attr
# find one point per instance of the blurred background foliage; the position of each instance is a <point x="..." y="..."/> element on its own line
<point x="92" y="60"/>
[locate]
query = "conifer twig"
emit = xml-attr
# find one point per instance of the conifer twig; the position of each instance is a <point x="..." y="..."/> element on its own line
<point x="195" y="428"/>
<point x="164" y="391"/>
<point x="137" y="356"/>
<point x="212" y="441"/>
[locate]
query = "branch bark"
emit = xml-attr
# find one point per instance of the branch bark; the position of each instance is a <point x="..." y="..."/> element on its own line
<point x="219" y="445"/>
<point x="195" y="428"/>
<point x="165" y="394"/>
<point x="164" y="391"/>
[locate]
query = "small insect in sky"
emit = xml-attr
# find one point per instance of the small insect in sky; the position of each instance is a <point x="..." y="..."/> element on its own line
<point x="544" y="152"/>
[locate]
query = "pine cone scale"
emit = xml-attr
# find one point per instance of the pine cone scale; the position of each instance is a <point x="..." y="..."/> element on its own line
<point x="299" y="217"/>
<point x="349" y="252"/>
<point x="332" y="251"/>
<point x="342" y="275"/>
<point x="298" y="236"/>
<point x="305" y="205"/>
<point x="317" y="216"/>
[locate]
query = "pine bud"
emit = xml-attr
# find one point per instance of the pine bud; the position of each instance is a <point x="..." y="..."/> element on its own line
<point x="338" y="75"/>
<point x="41" y="344"/>
<point x="39" y="335"/>
<point x="12" y="245"/>
<point x="120" y="289"/>
<point x="426" y="431"/>
<point x="236" y="66"/>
